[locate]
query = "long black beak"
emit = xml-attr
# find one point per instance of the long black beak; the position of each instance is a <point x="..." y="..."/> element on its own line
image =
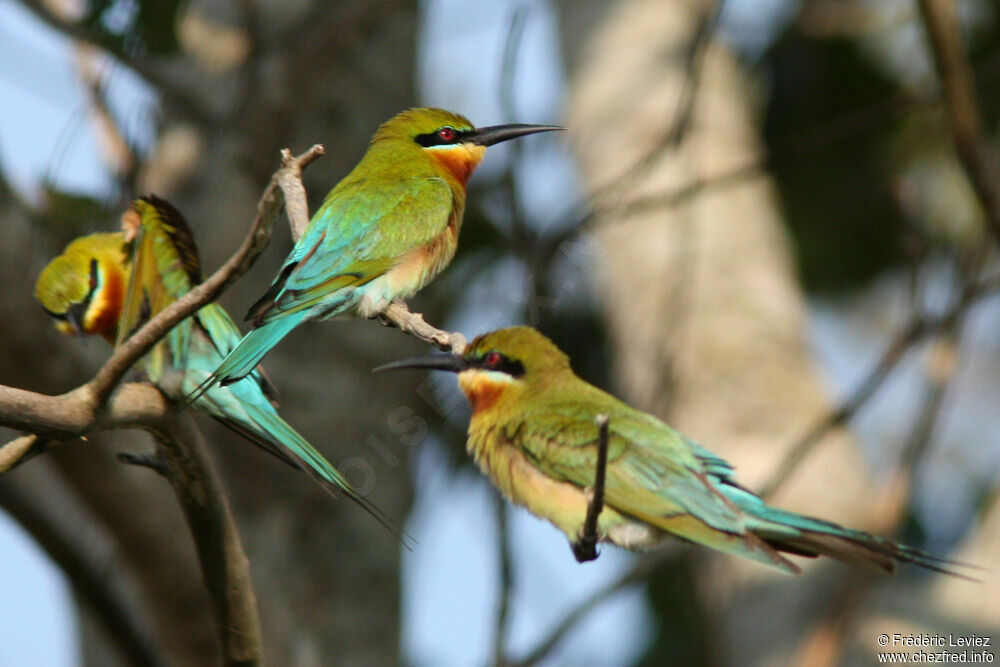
<point x="439" y="361"/>
<point x="74" y="322"/>
<point x="487" y="136"/>
<point x="74" y="315"/>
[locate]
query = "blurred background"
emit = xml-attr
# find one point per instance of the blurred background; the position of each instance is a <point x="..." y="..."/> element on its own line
<point x="756" y="226"/>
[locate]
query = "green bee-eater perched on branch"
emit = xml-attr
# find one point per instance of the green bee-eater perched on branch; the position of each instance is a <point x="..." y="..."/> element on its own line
<point x="107" y="285"/>
<point x="536" y="433"/>
<point x="382" y="233"/>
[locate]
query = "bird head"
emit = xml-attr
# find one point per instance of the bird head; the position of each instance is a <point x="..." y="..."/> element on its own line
<point x="84" y="287"/>
<point x="450" y="139"/>
<point x="497" y="366"/>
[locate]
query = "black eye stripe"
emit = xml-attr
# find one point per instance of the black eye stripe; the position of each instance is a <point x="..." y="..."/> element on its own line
<point x="492" y="360"/>
<point x="433" y="139"/>
<point x="95" y="282"/>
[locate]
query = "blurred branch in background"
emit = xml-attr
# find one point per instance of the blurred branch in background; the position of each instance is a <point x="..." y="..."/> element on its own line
<point x="959" y="96"/>
<point x="89" y="578"/>
<point x="920" y="326"/>
<point x="224" y="565"/>
<point x="637" y="574"/>
<point x="181" y="100"/>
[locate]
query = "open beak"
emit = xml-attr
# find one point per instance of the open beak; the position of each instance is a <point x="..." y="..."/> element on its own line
<point x="439" y="361"/>
<point x="487" y="136"/>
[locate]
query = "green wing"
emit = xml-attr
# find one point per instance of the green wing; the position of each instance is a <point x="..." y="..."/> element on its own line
<point x="652" y="470"/>
<point x="359" y="233"/>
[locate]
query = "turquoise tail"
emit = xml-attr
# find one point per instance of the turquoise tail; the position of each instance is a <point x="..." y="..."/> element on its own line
<point x="244" y="407"/>
<point x="806" y="536"/>
<point x="241" y="361"/>
<point x="244" y="358"/>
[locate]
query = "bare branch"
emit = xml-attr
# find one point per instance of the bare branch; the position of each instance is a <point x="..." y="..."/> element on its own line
<point x="643" y="566"/>
<point x="74" y="414"/>
<point x="14" y="450"/>
<point x="137" y="345"/>
<point x="224" y="565"/>
<point x="88" y="578"/>
<point x="505" y="583"/>
<point x="958" y="90"/>
<point x="398" y="315"/>
<point x="290" y="182"/>
<point x="919" y="327"/>
<point x="585" y="547"/>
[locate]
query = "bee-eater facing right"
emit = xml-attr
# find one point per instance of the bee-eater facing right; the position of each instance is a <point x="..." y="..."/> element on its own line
<point x="382" y="233"/>
<point x="110" y="283"/>
<point x="535" y="433"/>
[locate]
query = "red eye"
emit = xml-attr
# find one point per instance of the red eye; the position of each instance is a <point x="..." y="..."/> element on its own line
<point x="492" y="360"/>
<point x="446" y="134"/>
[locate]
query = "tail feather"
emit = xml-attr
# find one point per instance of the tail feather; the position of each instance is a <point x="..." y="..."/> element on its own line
<point x="244" y="358"/>
<point x="244" y="407"/>
<point x="803" y="535"/>
<point x="690" y="528"/>
<point x="241" y="361"/>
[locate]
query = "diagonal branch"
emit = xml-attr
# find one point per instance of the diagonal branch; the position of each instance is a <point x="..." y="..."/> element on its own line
<point x="637" y="574"/>
<point x="958" y="90"/>
<point x="137" y="345"/>
<point x="224" y="564"/>
<point x="396" y="313"/>
<point x="15" y="450"/>
<point x="181" y="100"/>
<point x="918" y="328"/>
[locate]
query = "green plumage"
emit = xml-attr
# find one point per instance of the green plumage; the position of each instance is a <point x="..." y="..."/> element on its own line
<point x="384" y="232"/>
<point x="160" y="265"/>
<point x="534" y="431"/>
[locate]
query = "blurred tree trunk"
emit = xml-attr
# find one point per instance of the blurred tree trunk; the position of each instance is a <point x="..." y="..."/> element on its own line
<point x="706" y="319"/>
<point x="263" y="76"/>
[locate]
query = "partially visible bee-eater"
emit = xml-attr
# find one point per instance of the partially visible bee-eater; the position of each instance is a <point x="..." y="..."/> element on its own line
<point x="535" y="432"/>
<point x="110" y="283"/>
<point x="382" y="233"/>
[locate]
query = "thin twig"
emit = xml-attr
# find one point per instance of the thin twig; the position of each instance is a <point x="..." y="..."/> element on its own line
<point x="398" y="315"/>
<point x="506" y="581"/>
<point x="585" y="547"/>
<point x="137" y="345"/>
<point x="638" y="573"/>
<point x="15" y="450"/>
<point x="290" y="182"/>
<point x="152" y="461"/>
<point x="182" y="101"/>
<point x="920" y="326"/>
<point x="958" y="90"/>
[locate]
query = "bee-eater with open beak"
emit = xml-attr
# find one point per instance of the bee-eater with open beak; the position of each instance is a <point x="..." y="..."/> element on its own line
<point x="535" y="433"/>
<point x="110" y="283"/>
<point x="382" y="233"/>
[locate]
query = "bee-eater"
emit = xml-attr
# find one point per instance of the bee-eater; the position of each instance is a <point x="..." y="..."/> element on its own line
<point x="535" y="433"/>
<point x="105" y="284"/>
<point x="382" y="233"/>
